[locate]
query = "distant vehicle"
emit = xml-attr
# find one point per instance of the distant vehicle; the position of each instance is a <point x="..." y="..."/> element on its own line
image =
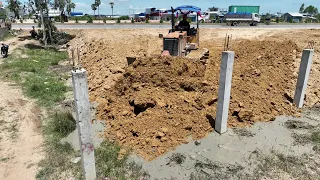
<point x="234" y="19"/>
<point x="139" y="17"/>
<point x="244" y="9"/>
<point x="211" y="16"/>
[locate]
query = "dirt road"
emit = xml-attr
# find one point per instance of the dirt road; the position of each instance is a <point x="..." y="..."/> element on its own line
<point x="20" y="135"/>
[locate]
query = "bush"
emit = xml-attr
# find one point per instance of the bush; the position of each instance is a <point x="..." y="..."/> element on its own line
<point x="124" y="18"/>
<point x="118" y="20"/>
<point x="90" y="20"/>
<point x="147" y="20"/>
<point x="104" y="20"/>
<point x="62" y="124"/>
<point x="56" y="18"/>
<point x="21" y="20"/>
<point x="277" y="20"/>
<point x="77" y="20"/>
<point x="161" y="20"/>
<point x="132" y="20"/>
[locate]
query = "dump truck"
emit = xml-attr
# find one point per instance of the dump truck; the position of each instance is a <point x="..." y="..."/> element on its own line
<point x="234" y="19"/>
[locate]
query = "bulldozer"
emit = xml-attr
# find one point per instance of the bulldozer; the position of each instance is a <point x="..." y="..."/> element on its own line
<point x="184" y="42"/>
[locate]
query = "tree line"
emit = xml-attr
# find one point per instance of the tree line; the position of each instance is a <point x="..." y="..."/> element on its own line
<point x="97" y="4"/>
<point x="310" y="9"/>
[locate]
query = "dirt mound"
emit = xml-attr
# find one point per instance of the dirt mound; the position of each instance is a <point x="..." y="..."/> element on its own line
<point x="159" y="103"/>
<point x="262" y="80"/>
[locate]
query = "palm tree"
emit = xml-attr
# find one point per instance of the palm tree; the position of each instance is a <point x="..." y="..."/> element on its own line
<point x="111" y="4"/>
<point x="94" y="8"/>
<point x="98" y="3"/>
<point x="73" y="6"/>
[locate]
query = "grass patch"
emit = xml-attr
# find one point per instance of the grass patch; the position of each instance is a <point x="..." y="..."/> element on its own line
<point x="243" y="132"/>
<point x="312" y="137"/>
<point x="61" y="125"/>
<point x="108" y="164"/>
<point x="6" y="159"/>
<point x="176" y="158"/>
<point x="294" y="124"/>
<point x="276" y="165"/>
<point x="32" y="72"/>
<point x="207" y="169"/>
<point x="58" y="156"/>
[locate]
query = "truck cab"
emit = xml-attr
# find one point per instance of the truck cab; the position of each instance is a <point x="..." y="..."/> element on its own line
<point x="256" y="17"/>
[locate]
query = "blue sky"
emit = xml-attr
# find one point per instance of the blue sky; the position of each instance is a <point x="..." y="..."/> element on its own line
<point x="122" y="6"/>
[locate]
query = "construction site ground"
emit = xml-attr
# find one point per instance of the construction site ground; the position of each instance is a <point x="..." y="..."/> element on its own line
<point x="159" y="103"/>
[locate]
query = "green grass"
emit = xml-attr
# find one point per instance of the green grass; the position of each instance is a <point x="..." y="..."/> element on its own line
<point x="32" y="72"/>
<point x="58" y="156"/>
<point x="108" y="164"/>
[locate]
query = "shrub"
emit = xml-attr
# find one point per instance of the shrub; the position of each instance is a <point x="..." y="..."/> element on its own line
<point x="77" y="20"/>
<point x="118" y="20"/>
<point x="104" y="20"/>
<point x="161" y="20"/>
<point x="147" y="20"/>
<point x="124" y="18"/>
<point x="90" y="20"/>
<point x="132" y="20"/>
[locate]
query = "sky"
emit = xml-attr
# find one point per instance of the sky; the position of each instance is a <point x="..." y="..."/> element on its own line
<point x="122" y="7"/>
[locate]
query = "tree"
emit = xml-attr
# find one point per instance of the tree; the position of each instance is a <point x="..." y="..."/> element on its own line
<point x="34" y="6"/>
<point x="301" y="8"/>
<point x="98" y="3"/>
<point x="73" y="6"/>
<point x="311" y="10"/>
<point x="94" y="8"/>
<point x="59" y="4"/>
<point x="14" y="6"/>
<point x="112" y="4"/>
<point x="69" y="7"/>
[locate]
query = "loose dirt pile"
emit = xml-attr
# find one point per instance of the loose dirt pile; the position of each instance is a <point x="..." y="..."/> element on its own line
<point x="160" y="103"/>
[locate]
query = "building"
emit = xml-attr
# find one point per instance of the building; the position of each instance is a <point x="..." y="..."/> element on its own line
<point x="293" y="17"/>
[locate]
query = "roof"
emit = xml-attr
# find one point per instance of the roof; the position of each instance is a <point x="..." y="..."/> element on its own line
<point x="188" y="8"/>
<point x="295" y="14"/>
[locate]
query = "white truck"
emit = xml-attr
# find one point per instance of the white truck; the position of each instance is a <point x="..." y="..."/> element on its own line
<point x="234" y="19"/>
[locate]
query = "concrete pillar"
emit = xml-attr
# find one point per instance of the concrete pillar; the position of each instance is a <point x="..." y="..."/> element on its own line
<point x="303" y="77"/>
<point x="224" y="91"/>
<point x="82" y="104"/>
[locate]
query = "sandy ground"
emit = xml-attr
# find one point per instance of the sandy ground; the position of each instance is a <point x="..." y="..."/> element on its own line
<point x="21" y="140"/>
<point x="266" y="65"/>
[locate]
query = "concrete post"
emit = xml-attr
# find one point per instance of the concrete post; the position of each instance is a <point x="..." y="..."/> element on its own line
<point x="82" y="104"/>
<point x="224" y="91"/>
<point x="303" y="77"/>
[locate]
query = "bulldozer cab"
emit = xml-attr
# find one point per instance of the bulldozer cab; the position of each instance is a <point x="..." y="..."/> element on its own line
<point x="181" y="40"/>
<point x="192" y="32"/>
